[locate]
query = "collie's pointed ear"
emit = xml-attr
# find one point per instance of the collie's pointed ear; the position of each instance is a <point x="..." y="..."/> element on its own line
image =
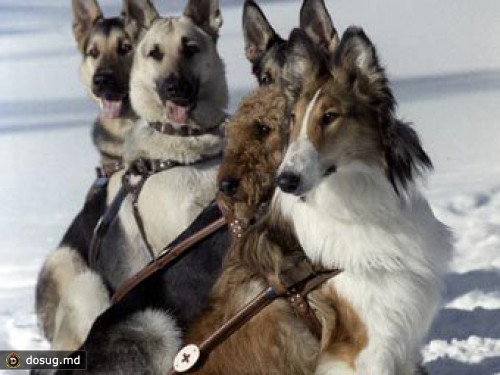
<point x="85" y="14"/>
<point x="357" y="52"/>
<point x="405" y="159"/>
<point x="206" y="15"/>
<point x="357" y="61"/>
<point x="139" y="15"/>
<point x="317" y="23"/>
<point x="303" y="63"/>
<point x="257" y="31"/>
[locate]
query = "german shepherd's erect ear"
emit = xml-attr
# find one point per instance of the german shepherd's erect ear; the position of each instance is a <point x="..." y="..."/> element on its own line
<point x="139" y="15"/>
<point x="206" y="15"/>
<point x="257" y="31"/>
<point x="317" y="23"/>
<point x="356" y="64"/>
<point x="304" y="64"/>
<point x="85" y="14"/>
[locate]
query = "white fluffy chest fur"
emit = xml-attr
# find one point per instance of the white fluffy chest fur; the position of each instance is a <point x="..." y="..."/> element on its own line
<point x="168" y="203"/>
<point x="393" y="252"/>
<point x="170" y="200"/>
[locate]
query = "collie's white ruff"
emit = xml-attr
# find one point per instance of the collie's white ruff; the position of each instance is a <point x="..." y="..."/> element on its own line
<point x="393" y="252"/>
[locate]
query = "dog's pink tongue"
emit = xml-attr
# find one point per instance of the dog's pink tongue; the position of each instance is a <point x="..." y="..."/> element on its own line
<point x="111" y="109"/>
<point x="176" y="113"/>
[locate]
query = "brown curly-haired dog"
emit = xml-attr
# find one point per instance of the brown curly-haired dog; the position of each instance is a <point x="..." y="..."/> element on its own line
<point x="255" y="139"/>
<point x="275" y="341"/>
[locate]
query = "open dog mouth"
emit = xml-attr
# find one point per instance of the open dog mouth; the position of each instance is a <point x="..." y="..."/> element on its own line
<point x="112" y="105"/>
<point x="179" y="96"/>
<point x="178" y="110"/>
<point x="111" y="109"/>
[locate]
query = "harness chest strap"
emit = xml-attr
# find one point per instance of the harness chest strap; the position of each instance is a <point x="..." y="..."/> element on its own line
<point x="192" y="357"/>
<point x="168" y="257"/>
<point x="142" y="168"/>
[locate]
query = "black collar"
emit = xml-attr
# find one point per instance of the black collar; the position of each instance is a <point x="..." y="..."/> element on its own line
<point x="184" y="130"/>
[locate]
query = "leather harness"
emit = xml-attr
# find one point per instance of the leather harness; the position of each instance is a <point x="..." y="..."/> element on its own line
<point x="132" y="183"/>
<point x="293" y="283"/>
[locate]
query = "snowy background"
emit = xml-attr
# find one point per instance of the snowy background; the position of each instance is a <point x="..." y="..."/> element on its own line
<point x="444" y="61"/>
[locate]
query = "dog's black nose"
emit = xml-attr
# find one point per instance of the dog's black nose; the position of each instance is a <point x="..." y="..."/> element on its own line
<point x="176" y="87"/>
<point x="288" y="182"/>
<point x="229" y="186"/>
<point x="104" y="80"/>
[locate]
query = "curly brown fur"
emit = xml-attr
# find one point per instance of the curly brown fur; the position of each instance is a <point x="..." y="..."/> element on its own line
<point x="275" y="341"/>
<point x="254" y="148"/>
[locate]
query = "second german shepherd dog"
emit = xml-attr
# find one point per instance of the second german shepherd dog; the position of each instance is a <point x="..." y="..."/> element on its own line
<point x="179" y="91"/>
<point x="107" y="47"/>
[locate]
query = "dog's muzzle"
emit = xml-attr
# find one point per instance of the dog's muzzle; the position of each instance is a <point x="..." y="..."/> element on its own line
<point x="106" y="86"/>
<point x="178" y="90"/>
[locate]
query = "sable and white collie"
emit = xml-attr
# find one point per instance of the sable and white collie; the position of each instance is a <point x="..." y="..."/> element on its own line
<point x="349" y="185"/>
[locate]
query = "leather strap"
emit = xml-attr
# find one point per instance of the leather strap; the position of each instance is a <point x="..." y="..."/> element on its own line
<point x="138" y="218"/>
<point x="103" y="174"/>
<point x="228" y="328"/>
<point x="107" y="170"/>
<point x="168" y="256"/>
<point x="103" y="225"/>
<point x="300" y="268"/>
<point x="143" y="168"/>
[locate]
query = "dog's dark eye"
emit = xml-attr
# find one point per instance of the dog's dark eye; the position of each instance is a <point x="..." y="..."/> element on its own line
<point x="124" y="48"/>
<point x="156" y="53"/>
<point x="263" y="130"/>
<point x="189" y="48"/>
<point x="329" y="117"/>
<point x="94" y="52"/>
<point x="266" y="79"/>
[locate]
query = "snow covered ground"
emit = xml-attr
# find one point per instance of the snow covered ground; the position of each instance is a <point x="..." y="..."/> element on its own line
<point x="444" y="61"/>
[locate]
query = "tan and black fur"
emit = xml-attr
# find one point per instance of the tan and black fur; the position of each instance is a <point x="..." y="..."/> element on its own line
<point x="107" y="47"/>
<point x="174" y="53"/>
<point x="178" y="79"/>
<point x="68" y="294"/>
<point x="170" y="291"/>
<point x="267" y="50"/>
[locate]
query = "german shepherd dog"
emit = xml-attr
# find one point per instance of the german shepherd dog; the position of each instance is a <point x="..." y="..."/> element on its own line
<point x="266" y="49"/>
<point x="349" y="187"/>
<point x="179" y="91"/>
<point x="107" y="46"/>
<point x="143" y="331"/>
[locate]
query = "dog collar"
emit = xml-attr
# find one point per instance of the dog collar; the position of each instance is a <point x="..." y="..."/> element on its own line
<point x="183" y="131"/>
